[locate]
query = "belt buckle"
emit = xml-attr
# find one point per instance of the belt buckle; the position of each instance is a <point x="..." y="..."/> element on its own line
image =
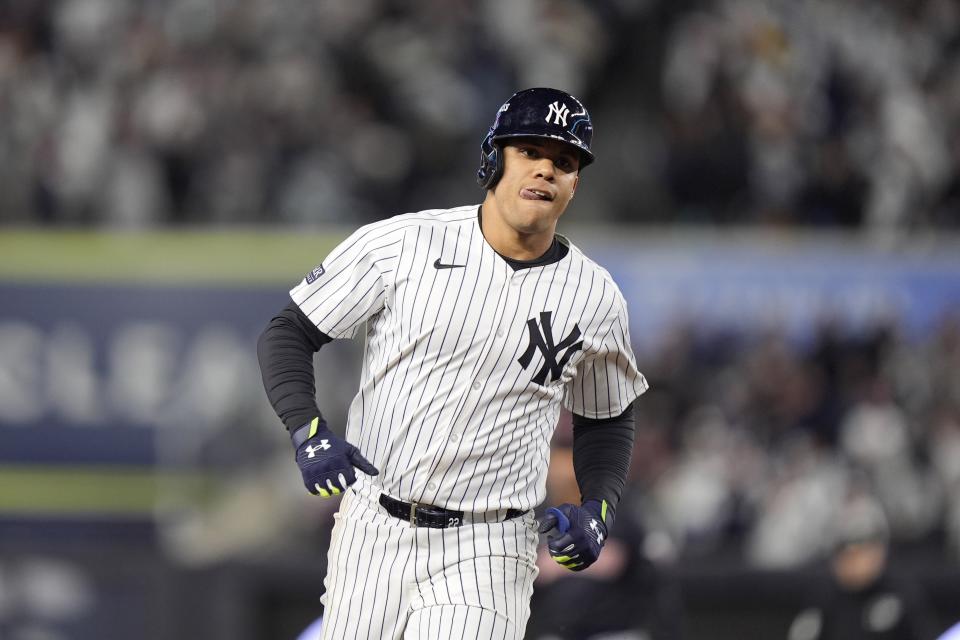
<point x="413" y="514"/>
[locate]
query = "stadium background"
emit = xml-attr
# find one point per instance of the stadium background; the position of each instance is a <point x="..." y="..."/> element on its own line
<point x="777" y="191"/>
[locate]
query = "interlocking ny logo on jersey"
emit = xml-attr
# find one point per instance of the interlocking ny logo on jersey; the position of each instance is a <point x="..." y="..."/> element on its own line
<point x="541" y="337"/>
<point x="558" y="113"/>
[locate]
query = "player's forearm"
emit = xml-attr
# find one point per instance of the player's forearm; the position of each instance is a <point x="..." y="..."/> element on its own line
<point x="285" y="352"/>
<point x="601" y="456"/>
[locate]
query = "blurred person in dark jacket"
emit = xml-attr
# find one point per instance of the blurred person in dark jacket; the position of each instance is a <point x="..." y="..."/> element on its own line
<point x="863" y="599"/>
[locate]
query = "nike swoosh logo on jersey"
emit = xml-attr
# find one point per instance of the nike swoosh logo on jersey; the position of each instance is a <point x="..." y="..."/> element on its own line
<point x="439" y="265"/>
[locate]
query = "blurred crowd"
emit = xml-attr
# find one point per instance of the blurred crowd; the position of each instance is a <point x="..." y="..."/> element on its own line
<point x="822" y="113"/>
<point x="841" y="454"/>
<point x="835" y="460"/>
<point x="759" y="445"/>
<point x="147" y="113"/>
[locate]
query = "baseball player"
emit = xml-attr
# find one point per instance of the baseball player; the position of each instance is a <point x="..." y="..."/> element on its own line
<point x="479" y="323"/>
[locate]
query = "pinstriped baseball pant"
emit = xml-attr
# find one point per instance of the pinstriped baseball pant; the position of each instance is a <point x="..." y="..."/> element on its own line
<point x="386" y="579"/>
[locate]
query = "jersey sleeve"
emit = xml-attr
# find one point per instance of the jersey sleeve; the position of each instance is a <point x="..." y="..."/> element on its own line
<point x="351" y="284"/>
<point x="607" y="380"/>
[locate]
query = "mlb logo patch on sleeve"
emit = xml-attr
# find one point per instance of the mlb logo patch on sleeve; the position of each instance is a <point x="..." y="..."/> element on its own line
<point x="316" y="273"/>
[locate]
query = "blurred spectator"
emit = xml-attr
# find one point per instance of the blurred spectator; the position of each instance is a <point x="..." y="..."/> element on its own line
<point x="44" y="597"/>
<point x="863" y="600"/>
<point x="798" y="506"/>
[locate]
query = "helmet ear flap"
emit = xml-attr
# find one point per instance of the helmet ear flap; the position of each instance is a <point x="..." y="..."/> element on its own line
<point x="491" y="163"/>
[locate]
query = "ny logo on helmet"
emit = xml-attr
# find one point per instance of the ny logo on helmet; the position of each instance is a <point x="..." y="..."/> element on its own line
<point x="558" y="113"/>
<point x="542" y="338"/>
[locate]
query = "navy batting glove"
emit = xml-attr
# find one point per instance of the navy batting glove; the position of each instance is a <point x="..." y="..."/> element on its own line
<point x="582" y="532"/>
<point x="327" y="461"/>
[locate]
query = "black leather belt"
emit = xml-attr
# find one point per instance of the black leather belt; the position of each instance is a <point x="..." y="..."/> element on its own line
<point x="426" y="515"/>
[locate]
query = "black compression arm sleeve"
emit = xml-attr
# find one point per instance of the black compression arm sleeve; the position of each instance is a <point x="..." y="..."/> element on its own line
<point x="285" y="351"/>
<point x="601" y="455"/>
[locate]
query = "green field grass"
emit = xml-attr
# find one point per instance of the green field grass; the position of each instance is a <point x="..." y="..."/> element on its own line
<point x="187" y="257"/>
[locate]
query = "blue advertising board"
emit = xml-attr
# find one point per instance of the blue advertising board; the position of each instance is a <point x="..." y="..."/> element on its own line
<point x="790" y="289"/>
<point x="89" y="372"/>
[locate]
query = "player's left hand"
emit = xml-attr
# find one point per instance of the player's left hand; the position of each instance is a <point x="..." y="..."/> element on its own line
<point x="581" y="531"/>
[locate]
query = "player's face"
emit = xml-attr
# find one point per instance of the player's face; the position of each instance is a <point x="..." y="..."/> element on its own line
<point x="539" y="178"/>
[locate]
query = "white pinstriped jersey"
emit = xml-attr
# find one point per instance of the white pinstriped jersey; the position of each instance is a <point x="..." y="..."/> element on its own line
<point x="467" y="361"/>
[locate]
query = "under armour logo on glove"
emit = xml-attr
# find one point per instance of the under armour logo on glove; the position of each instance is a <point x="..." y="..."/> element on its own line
<point x="581" y="533"/>
<point x="595" y="527"/>
<point x="326" y="461"/>
<point x="323" y="446"/>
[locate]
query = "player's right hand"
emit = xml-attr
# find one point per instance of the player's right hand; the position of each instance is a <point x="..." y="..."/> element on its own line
<point x="327" y="461"/>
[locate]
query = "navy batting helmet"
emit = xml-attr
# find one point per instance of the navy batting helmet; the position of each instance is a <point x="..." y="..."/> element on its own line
<point x="538" y="113"/>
